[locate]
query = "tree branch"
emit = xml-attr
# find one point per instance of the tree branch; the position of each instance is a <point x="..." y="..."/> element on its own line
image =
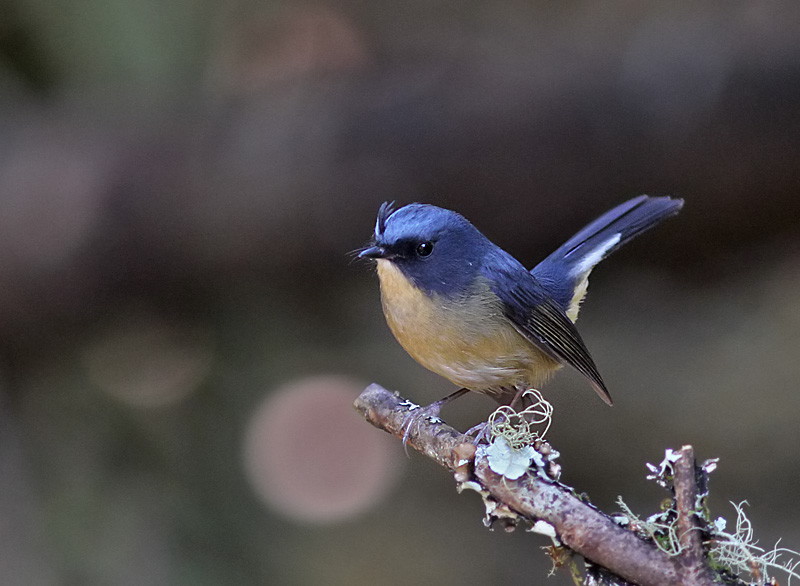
<point x="685" y="479"/>
<point x="539" y="497"/>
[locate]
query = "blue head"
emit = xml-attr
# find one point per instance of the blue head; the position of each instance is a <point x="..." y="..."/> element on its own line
<point x="436" y="249"/>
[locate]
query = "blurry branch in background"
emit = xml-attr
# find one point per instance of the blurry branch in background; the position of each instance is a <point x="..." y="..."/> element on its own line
<point x="673" y="548"/>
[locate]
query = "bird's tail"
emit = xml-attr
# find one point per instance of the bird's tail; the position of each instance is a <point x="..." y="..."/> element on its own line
<point x="565" y="271"/>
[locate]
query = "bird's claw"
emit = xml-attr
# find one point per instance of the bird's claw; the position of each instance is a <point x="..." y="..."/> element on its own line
<point x="481" y="432"/>
<point x="416" y="415"/>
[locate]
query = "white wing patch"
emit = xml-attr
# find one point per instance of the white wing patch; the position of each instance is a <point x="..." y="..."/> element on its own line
<point x="596" y="256"/>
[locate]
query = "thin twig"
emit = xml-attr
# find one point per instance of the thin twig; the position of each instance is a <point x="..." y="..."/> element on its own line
<point x="692" y="556"/>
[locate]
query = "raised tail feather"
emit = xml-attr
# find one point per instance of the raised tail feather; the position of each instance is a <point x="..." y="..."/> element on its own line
<point x="566" y="269"/>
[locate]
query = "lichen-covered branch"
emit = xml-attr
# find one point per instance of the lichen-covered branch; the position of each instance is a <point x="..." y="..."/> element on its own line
<point x="684" y="482"/>
<point x="544" y="502"/>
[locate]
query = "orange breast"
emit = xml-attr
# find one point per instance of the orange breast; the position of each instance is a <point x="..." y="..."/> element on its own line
<point x="467" y="340"/>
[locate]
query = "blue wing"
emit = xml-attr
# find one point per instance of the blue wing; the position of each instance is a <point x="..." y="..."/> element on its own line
<point x="538" y="317"/>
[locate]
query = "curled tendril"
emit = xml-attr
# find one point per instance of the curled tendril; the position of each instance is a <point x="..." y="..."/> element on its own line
<point x="517" y="427"/>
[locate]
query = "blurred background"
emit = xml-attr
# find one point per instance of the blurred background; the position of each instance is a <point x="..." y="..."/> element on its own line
<point x="182" y="331"/>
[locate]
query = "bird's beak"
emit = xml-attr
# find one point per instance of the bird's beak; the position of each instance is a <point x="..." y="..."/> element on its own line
<point x="375" y="252"/>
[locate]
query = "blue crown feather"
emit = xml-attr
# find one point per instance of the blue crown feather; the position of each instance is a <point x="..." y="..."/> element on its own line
<point x="387" y="209"/>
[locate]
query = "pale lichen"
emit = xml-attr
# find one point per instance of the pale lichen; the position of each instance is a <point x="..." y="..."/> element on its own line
<point x="495" y="510"/>
<point x="516" y="437"/>
<point x="519" y="428"/>
<point x="739" y="552"/>
<point x="508" y="461"/>
<point x="736" y="552"/>
<point x="660" y="528"/>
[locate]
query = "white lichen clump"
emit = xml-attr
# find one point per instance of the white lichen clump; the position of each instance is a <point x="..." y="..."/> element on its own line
<point x="508" y="461"/>
<point x="512" y="435"/>
<point x="739" y="552"/>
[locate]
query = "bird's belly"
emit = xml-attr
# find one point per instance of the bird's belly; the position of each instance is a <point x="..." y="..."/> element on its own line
<point x="466" y="340"/>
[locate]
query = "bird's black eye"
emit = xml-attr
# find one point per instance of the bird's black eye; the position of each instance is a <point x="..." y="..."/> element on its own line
<point x="424" y="248"/>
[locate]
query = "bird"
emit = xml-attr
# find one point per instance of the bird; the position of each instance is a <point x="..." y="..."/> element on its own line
<point x="467" y="310"/>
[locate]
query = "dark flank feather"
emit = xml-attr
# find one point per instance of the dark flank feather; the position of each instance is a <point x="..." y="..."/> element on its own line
<point x="528" y="306"/>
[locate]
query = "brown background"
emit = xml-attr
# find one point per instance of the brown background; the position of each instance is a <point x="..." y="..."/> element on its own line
<point x="180" y="184"/>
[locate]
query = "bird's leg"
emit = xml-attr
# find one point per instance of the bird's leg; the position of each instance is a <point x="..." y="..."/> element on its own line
<point x="482" y="430"/>
<point x="417" y="414"/>
<point x="517" y="398"/>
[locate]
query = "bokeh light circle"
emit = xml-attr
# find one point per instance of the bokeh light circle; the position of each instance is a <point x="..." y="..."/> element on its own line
<point x="146" y="361"/>
<point x="310" y="457"/>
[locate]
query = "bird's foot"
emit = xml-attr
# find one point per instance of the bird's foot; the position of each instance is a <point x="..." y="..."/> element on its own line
<point x="417" y="415"/>
<point x="481" y="432"/>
